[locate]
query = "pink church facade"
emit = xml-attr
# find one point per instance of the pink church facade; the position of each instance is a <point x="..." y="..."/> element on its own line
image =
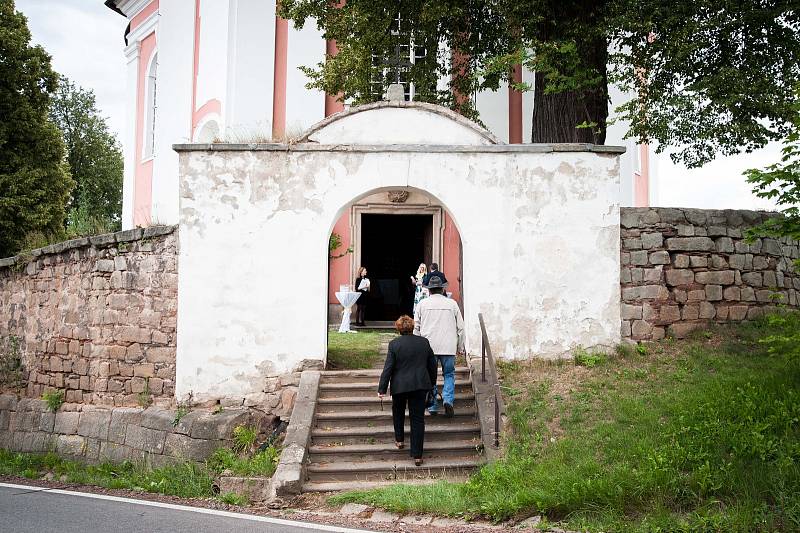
<point x="228" y="71"/>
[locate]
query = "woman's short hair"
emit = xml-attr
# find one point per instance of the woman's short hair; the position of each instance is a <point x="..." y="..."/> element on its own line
<point x="404" y="325"/>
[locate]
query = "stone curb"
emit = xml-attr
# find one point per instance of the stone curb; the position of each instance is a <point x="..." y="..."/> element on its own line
<point x="379" y="516"/>
<point x="288" y="477"/>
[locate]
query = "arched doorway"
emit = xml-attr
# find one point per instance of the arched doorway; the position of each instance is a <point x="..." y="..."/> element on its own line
<point x="390" y="232"/>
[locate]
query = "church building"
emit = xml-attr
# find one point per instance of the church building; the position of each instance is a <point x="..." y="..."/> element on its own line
<point x="203" y="71"/>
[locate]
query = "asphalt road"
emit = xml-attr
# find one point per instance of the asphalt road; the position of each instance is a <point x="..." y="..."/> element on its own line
<point x="37" y="510"/>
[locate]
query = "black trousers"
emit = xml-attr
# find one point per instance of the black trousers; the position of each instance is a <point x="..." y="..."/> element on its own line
<point x="361" y="310"/>
<point x="416" y="412"/>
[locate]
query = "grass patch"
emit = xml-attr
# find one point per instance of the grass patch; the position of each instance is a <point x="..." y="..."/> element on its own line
<point x="262" y="463"/>
<point x="694" y="435"/>
<point x="352" y="351"/>
<point x="244" y="438"/>
<point x="186" y="480"/>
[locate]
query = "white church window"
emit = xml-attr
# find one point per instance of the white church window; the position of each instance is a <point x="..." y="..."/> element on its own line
<point x="149" y="129"/>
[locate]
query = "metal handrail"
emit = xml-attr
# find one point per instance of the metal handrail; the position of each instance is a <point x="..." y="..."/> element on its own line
<point x="486" y="355"/>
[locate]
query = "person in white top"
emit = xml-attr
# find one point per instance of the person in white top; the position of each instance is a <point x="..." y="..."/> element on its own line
<point x="438" y="319"/>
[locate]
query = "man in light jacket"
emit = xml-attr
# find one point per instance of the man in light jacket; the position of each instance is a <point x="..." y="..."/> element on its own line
<point x="439" y="320"/>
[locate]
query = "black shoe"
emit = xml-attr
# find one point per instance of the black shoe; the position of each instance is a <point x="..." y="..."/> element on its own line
<point x="448" y="410"/>
<point x="433" y="413"/>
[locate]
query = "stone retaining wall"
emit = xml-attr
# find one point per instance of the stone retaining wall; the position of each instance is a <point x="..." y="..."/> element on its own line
<point x="95" y="317"/>
<point x="682" y="268"/>
<point x="96" y="434"/>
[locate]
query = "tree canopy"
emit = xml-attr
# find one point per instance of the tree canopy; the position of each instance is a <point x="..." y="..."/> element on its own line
<point x="705" y="78"/>
<point x="34" y="180"/>
<point x="94" y="156"/>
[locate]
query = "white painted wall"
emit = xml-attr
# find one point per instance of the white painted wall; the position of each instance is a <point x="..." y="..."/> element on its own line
<point x="615" y="135"/>
<point x="173" y="104"/>
<point x="404" y="124"/>
<point x="547" y="224"/>
<point x="213" y="65"/>
<point x="251" y="64"/>
<point x="527" y="106"/>
<point x="304" y="107"/>
<point x="129" y="135"/>
<point x="493" y="110"/>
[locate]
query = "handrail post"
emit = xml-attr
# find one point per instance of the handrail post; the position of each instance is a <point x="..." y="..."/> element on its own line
<point x="484" y="340"/>
<point x="486" y="353"/>
<point x="496" y="420"/>
<point x="483" y="360"/>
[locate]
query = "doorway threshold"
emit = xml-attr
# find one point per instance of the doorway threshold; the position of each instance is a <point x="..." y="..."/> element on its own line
<point x="374" y="324"/>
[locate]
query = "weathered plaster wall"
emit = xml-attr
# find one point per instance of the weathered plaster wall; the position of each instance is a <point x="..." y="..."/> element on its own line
<point x="682" y="268"/>
<point x="540" y="233"/>
<point x="96" y="434"/>
<point x="95" y="317"/>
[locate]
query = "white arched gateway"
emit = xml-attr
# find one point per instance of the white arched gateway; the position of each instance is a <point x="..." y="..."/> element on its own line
<point x="539" y="226"/>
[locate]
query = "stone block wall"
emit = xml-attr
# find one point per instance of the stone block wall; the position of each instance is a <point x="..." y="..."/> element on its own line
<point x="96" y="434"/>
<point x="682" y="268"/>
<point x="95" y="317"/>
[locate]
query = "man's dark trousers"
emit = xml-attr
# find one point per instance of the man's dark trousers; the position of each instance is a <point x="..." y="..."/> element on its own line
<point x="416" y="412"/>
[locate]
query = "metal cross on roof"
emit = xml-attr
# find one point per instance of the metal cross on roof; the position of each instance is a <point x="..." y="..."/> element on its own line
<point x="398" y="62"/>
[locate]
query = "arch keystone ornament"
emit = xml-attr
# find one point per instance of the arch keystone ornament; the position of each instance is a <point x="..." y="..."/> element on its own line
<point x="255" y="222"/>
<point x="397" y="197"/>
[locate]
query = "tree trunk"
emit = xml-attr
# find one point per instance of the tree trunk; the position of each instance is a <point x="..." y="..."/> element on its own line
<point x="556" y="116"/>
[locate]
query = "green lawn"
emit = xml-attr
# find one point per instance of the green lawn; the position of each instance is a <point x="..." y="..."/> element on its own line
<point x="694" y="435"/>
<point x="348" y="351"/>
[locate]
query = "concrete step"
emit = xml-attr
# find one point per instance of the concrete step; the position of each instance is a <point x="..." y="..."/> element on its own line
<point x="338" y="390"/>
<point x="371" y="375"/>
<point x="373" y="418"/>
<point x="384" y="434"/>
<point x="368" y="386"/>
<point x="392" y="470"/>
<point x="375" y="400"/>
<point x="339" y="405"/>
<point x="388" y="451"/>
<point x="336" y="486"/>
<point x="331" y="406"/>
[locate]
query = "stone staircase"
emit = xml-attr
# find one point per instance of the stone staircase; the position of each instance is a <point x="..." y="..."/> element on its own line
<point x="352" y="437"/>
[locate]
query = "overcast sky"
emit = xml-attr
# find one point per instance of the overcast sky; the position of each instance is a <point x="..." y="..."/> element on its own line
<point x="85" y="39"/>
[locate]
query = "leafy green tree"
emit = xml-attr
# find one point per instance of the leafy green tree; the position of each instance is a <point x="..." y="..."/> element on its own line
<point x="707" y="77"/>
<point x="781" y="182"/>
<point x="95" y="160"/>
<point x="34" y="180"/>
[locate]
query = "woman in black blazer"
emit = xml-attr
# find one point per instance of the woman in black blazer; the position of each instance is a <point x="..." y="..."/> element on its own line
<point x="411" y="368"/>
